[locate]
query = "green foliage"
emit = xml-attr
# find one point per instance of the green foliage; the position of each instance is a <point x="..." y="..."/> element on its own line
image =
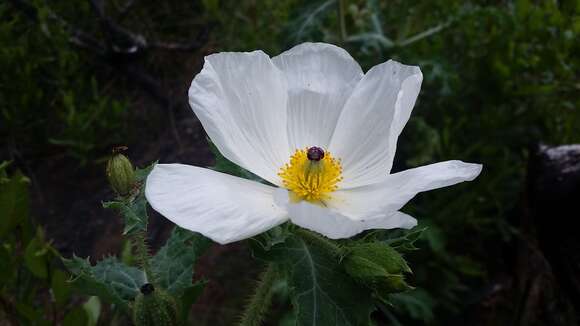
<point x="159" y="290"/>
<point x="32" y="286"/>
<point x="417" y="304"/>
<point x="49" y="96"/>
<point x="245" y="26"/>
<point x="368" y="270"/>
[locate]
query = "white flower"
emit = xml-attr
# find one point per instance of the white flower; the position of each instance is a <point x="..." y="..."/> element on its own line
<point x="312" y="124"/>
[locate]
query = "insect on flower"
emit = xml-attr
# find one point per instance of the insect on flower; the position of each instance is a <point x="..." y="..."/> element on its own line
<point x="313" y="125"/>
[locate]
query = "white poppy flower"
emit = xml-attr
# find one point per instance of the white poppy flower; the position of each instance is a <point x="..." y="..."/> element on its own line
<point x="313" y="125"/>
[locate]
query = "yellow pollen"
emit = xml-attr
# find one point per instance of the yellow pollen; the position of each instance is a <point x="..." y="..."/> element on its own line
<point x="311" y="180"/>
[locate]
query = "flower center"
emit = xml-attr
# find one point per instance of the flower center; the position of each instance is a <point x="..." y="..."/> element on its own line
<point x="311" y="174"/>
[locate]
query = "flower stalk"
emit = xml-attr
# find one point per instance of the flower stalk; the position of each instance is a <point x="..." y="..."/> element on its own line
<point x="261" y="300"/>
<point x="142" y="252"/>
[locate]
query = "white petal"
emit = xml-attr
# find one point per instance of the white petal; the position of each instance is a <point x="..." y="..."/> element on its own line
<point x="395" y="190"/>
<point x="320" y="78"/>
<point x="366" y="135"/>
<point x="240" y="98"/>
<point x="220" y="206"/>
<point x="335" y="225"/>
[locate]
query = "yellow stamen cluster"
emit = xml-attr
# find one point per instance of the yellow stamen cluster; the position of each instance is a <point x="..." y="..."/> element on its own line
<point x="311" y="180"/>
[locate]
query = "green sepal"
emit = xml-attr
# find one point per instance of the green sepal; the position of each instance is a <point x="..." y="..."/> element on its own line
<point x="120" y="174"/>
<point x="133" y="208"/>
<point x="378" y="266"/>
<point x="406" y="241"/>
<point x="155" y="309"/>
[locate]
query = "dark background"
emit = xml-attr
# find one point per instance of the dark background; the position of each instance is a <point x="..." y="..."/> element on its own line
<point x="500" y="88"/>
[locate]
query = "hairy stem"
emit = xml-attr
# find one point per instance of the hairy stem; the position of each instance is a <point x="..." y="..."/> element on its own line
<point x="142" y="252"/>
<point x="260" y="301"/>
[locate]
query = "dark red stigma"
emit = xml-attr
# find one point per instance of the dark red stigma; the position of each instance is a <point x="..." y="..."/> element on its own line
<point x="315" y="153"/>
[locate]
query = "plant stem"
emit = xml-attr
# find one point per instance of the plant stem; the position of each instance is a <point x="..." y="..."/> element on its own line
<point x="142" y="251"/>
<point x="341" y="21"/>
<point x="260" y="301"/>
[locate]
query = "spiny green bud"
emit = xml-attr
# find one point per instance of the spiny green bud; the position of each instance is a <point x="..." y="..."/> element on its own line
<point x="120" y="172"/>
<point x="154" y="307"/>
<point x="378" y="266"/>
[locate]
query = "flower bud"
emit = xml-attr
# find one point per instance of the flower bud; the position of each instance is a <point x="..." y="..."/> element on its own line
<point x="378" y="266"/>
<point x="154" y="307"/>
<point x="120" y="173"/>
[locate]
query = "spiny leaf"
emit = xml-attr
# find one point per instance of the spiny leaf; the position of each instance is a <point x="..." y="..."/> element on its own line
<point x="323" y="293"/>
<point x="134" y="213"/>
<point x="108" y="279"/>
<point x="173" y="264"/>
<point x="141" y="174"/>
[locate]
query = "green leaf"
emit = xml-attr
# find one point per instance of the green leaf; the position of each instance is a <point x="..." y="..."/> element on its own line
<point x="36" y="259"/>
<point x="93" y="309"/>
<point x="60" y="287"/>
<point x="34" y="316"/>
<point x="76" y="317"/>
<point x="108" y="279"/>
<point x="13" y="203"/>
<point x="406" y="241"/>
<point x="8" y="259"/>
<point x="418" y="304"/>
<point x="323" y="293"/>
<point x="173" y="264"/>
<point x="261" y="244"/>
<point x="141" y="174"/>
<point x="133" y="211"/>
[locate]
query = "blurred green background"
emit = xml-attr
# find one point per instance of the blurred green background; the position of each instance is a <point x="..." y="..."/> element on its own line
<point x="500" y="77"/>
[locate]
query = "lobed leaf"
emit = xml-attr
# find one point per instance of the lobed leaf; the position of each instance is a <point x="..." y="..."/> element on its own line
<point x="323" y="293"/>
<point x="108" y="279"/>
<point x="174" y="262"/>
